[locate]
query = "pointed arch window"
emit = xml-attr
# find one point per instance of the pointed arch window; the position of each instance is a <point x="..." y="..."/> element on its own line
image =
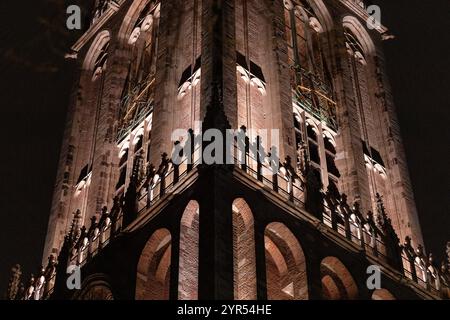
<point x="311" y="82"/>
<point x="154" y="267"/>
<point x="319" y="149"/>
<point x="310" y="76"/>
<point x="138" y="92"/>
<point x="145" y="21"/>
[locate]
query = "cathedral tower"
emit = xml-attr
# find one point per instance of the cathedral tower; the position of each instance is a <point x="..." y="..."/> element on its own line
<point x="152" y="75"/>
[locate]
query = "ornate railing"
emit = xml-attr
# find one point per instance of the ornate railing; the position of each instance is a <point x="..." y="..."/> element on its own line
<point x="374" y="236"/>
<point x="89" y="242"/>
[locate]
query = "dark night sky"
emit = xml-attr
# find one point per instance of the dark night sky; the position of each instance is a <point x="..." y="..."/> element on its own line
<point x="35" y="82"/>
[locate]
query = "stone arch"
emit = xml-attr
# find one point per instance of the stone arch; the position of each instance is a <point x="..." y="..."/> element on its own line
<point x="244" y="254"/>
<point x="131" y="18"/>
<point x="322" y="13"/>
<point x="337" y="282"/>
<point x="95" y="287"/>
<point x="314" y="124"/>
<point x="319" y="8"/>
<point x="90" y="90"/>
<point x="382" y="294"/>
<point x="99" y="42"/>
<point x="153" y="269"/>
<point x="353" y="25"/>
<point x="285" y="264"/>
<point x="189" y="249"/>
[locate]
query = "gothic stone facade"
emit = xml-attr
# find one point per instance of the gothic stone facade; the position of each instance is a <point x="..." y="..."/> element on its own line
<point x="311" y="69"/>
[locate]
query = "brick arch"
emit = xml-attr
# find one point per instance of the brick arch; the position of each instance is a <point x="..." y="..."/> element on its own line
<point x="153" y="269"/>
<point x="95" y="287"/>
<point x="382" y="294"/>
<point x="244" y="254"/>
<point x="285" y="264"/>
<point x="189" y="249"/>
<point x="330" y="289"/>
<point x="100" y="40"/>
<point x="337" y="282"/>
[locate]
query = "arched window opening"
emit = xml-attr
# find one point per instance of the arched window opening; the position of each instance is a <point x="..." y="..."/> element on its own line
<point x="297" y="124"/>
<point x="300" y="142"/>
<point x="331" y="165"/>
<point x="360" y="50"/>
<point x="319" y="148"/>
<point x="138" y="92"/>
<point x="189" y="241"/>
<point x="122" y="177"/>
<point x="332" y="185"/>
<point x="97" y="56"/>
<point x="123" y="158"/>
<point x="285" y="265"/>
<point x="311" y="133"/>
<point x="145" y="22"/>
<point x="337" y="282"/>
<point x="123" y="164"/>
<point x="244" y="255"/>
<point x="153" y="269"/>
<point x="310" y="76"/>
<point x="329" y="146"/>
<point x="307" y="23"/>
<point x="303" y="36"/>
<point x="149" y="142"/>
<point x="314" y="152"/>
<point x="354" y="47"/>
<point x="358" y="67"/>
<point x="330" y="154"/>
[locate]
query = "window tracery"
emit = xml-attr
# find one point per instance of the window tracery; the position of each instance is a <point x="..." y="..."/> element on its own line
<point x="138" y="93"/>
<point x="310" y="75"/>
